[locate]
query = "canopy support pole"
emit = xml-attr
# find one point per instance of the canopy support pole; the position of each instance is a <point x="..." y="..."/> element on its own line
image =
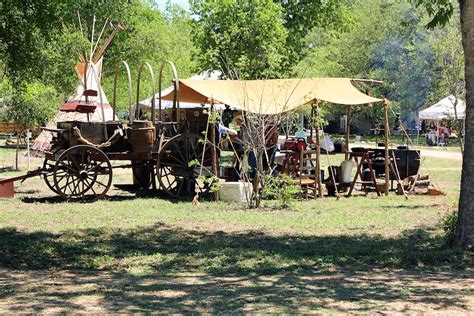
<point x="348" y="131"/>
<point x="212" y="126"/>
<point x="317" y="121"/>
<point x="386" y="140"/>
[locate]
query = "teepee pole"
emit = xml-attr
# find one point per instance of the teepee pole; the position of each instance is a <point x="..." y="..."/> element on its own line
<point x="100" y="37"/>
<point x="80" y="23"/>
<point x="92" y="36"/>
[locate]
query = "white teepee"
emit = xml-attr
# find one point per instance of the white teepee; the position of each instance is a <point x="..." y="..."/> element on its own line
<point x="42" y="142"/>
<point x="92" y="70"/>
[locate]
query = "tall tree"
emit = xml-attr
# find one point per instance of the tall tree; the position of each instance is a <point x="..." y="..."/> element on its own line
<point x="35" y="47"/>
<point x="465" y="227"/>
<point x="385" y="41"/>
<point x="300" y="17"/>
<point x="241" y="38"/>
<point x="441" y="11"/>
<point x="260" y="38"/>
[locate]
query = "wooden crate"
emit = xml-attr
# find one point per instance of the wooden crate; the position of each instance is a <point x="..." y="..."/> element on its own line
<point x="6" y="190"/>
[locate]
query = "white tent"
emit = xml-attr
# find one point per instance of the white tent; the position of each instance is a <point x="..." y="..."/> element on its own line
<point x="444" y="109"/>
<point x="165" y="104"/>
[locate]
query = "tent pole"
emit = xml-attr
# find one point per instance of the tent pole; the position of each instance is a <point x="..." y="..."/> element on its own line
<point x="386" y="136"/>
<point x="315" y="109"/>
<point x="437" y="133"/>
<point x="212" y="126"/>
<point x="348" y="131"/>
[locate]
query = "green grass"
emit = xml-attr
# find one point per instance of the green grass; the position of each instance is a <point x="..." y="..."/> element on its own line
<point x="136" y="239"/>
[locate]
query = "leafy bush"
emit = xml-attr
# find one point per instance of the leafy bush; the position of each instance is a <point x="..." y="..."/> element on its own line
<point x="449" y="222"/>
<point x="30" y="105"/>
<point x="280" y="188"/>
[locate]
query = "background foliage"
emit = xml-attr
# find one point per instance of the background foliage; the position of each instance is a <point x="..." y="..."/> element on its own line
<point x="380" y="39"/>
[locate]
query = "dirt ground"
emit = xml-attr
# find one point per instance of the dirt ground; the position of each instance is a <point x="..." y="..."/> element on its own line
<point x="335" y="291"/>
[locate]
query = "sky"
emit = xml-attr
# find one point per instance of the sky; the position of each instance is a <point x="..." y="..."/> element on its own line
<point x="182" y="3"/>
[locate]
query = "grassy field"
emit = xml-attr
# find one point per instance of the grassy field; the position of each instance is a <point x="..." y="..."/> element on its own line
<point x="135" y="252"/>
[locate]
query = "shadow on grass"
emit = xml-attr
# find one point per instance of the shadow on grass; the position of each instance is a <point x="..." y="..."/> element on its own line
<point x="7" y="169"/>
<point x="177" y="250"/>
<point x="55" y="199"/>
<point x="130" y="191"/>
<point x="132" y="267"/>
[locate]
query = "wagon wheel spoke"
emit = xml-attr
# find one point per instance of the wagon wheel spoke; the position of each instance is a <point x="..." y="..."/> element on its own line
<point x="92" y="188"/>
<point x="66" y="185"/>
<point x="92" y="169"/>
<point x="175" y="176"/>
<point x="48" y="177"/>
<point x="183" y="157"/>
<point x="75" y="187"/>
<point x="74" y="165"/>
<point x="180" y="186"/>
<point x="83" y="153"/>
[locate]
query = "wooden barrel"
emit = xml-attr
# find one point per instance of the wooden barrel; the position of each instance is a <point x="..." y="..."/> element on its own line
<point x="143" y="136"/>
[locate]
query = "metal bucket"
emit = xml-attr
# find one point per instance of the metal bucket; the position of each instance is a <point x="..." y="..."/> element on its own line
<point x="143" y="136"/>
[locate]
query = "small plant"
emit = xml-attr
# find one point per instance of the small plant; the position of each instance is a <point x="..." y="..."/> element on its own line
<point x="212" y="182"/>
<point x="449" y="222"/>
<point x="280" y="188"/>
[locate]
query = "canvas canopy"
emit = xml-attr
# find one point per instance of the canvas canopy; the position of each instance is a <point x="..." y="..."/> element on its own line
<point x="272" y="96"/>
<point x="444" y="109"/>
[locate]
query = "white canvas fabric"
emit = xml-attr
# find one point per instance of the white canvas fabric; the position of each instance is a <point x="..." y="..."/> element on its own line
<point x="145" y="104"/>
<point x="444" y="109"/>
<point x="102" y="113"/>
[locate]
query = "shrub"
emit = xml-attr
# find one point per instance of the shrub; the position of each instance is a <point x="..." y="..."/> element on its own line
<point x="281" y="188"/>
<point x="449" y="222"/>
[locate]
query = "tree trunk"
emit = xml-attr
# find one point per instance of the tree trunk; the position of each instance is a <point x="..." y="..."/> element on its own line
<point x="465" y="228"/>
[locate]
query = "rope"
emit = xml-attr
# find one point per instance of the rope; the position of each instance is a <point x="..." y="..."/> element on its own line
<point x="331" y="171"/>
<point x="204" y="146"/>
<point x="195" y="200"/>
<point x="118" y="133"/>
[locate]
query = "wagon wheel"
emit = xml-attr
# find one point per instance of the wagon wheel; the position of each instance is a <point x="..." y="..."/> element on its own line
<point x="48" y="168"/>
<point x="175" y="176"/>
<point x="82" y="173"/>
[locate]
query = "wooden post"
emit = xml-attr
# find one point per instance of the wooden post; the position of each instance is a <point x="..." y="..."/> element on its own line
<point x="212" y="126"/>
<point x="386" y="136"/>
<point x="17" y="150"/>
<point x="318" y="151"/>
<point x="348" y="131"/>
